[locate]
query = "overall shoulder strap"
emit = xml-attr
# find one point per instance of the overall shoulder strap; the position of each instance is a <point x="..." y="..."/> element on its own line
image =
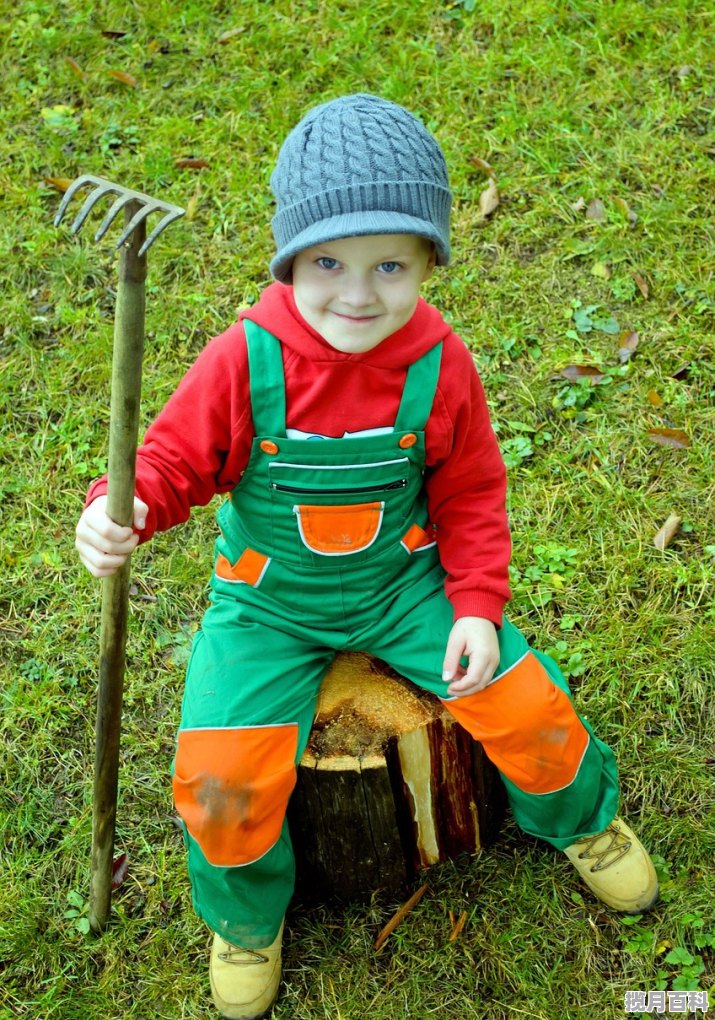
<point x="419" y="391"/>
<point x="266" y="379"/>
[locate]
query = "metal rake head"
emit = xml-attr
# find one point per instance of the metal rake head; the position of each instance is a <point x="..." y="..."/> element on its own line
<point x="124" y="197"/>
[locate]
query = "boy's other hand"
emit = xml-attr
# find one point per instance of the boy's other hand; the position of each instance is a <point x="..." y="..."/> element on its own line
<point x="475" y="638"/>
<point x="103" y="546"/>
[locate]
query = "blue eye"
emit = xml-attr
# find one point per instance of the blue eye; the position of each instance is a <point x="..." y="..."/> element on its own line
<point x="389" y="267"/>
<point x="327" y="263"/>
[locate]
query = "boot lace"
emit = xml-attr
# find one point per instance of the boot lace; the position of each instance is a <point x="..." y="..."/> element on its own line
<point x="617" y="846"/>
<point x="241" y="957"/>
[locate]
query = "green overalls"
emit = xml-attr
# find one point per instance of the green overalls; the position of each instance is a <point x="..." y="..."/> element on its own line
<point x="326" y="545"/>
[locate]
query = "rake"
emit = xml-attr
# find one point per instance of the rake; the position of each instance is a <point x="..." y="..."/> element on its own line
<point x="123" y="434"/>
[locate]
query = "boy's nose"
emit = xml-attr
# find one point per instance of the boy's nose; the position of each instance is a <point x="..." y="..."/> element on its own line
<point x="357" y="292"/>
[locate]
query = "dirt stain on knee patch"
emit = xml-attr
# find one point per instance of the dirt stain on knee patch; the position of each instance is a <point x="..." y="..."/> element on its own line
<point x="223" y="802"/>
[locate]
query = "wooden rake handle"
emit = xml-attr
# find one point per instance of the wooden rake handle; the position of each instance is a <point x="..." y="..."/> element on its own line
<point x="123" y="434"/>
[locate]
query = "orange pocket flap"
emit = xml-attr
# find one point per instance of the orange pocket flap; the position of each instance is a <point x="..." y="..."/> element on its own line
<point x="339" y="530"/>
<point x="249" y="568"/>
<point x="417" y="538"/>
<point x="231" y="787"/>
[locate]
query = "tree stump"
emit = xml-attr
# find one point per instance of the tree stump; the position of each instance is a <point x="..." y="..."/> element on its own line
<point x="388" y="784"/>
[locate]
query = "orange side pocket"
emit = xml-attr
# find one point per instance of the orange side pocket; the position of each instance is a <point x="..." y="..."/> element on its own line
<point x="416" y="538"/>
<point x="249" y="568"/>
<point x="528" y="727"/>
<point x="339" y="530"/>
<point x="231" y="787"/>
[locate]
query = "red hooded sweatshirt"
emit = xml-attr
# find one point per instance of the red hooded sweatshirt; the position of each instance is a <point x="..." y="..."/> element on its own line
<point x="200" y="442"/>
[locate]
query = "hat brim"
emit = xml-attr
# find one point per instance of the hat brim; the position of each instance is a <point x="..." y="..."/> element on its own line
<point x="355" y="225"/>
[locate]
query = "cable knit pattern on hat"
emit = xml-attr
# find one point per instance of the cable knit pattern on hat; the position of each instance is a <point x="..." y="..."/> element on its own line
<point x="358" y="165"/>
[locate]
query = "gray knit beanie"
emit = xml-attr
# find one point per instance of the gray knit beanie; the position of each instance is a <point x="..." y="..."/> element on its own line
<point x="354" y="166"/>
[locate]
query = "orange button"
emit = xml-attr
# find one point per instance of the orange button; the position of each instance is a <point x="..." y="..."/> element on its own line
<point x="408" y="440"/>
<point x="268" y="446"/>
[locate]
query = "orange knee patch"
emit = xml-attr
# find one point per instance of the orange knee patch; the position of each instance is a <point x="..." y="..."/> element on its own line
<point x="231" y="787"/>
<point x="527" y="726"/>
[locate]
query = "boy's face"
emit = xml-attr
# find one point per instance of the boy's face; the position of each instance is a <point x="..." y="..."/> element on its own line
<point x="359" y="290"/>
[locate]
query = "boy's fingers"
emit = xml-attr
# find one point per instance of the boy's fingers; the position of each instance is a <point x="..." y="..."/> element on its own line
<point x="111" y="532"/>
<point x="103" y="545"/>
<point x="103" y="558"/>
<point x="475" y="679"/>
<point x="452" y="658"/>
<point x="468" y="682"/>
<point x="111" y="543"/>
<point x="140" y="513"/>
<point x="100" y="565"/>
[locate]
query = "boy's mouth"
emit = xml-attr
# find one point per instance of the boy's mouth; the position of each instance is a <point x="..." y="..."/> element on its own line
<point x="355" y="318"/>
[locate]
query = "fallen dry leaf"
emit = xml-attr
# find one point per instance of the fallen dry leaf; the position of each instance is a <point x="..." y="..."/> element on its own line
<point x="596" y="210"/>
<point x="581" y="372"/>
<point x="226" y="37"/>
<point x="622" y="205"/>
<point x="675" y="438"/>
<point x="399" y="916"/>
<point x="120" y="867"/>
<point x="601" y="271"/>
<point x="641" y="283"/>
<point x="192" y="205"/>
<point x="627" y="343"/>
<point x="654" y="398"/>
<point x="481" y="164"/>
<point x="58" y="183"/>
<point x="579" y="205"/>
<point x="74" y="66"/>
<point x="191" y="163"/>
<point x="666" y="534"/>
<point x="458" y="926"/>
<point x="109" y="33"/>
<point x="489" y="199"/>
<point x="124" y="78"/>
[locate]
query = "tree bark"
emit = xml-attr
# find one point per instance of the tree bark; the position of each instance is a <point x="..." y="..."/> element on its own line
<point x="389" y="784"/>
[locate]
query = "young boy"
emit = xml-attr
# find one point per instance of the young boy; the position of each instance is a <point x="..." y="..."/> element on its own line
<point x="366" y="511"/>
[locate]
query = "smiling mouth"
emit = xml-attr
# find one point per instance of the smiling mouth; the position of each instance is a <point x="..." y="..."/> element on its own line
<point x="356" y="318"/>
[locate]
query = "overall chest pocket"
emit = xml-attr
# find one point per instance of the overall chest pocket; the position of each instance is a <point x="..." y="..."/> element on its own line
<point x="339" y="510"/>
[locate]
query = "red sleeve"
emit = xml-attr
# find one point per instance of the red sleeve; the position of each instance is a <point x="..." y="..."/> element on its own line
<point x="200" y="442"/>
<point x="466" y="489"/>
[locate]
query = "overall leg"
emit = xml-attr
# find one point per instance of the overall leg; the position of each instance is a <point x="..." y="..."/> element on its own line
<point x="560" y="778"/>
<point x="246" y="716"/>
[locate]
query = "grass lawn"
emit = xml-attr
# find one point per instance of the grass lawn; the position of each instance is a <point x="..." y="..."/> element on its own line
<point x="596" y="118"/>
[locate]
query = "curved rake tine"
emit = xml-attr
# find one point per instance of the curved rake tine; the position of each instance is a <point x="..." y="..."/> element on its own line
<point x="134" y="222"/>
<point x="115" y="208"/>
<point x="161" y="225"/>
<point x="89" y="204"/>
<point x="68" y="196"/>
<point x="102" y="187"/>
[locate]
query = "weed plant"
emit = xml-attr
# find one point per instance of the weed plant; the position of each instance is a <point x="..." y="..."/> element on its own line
<point x="596" y="119"/>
